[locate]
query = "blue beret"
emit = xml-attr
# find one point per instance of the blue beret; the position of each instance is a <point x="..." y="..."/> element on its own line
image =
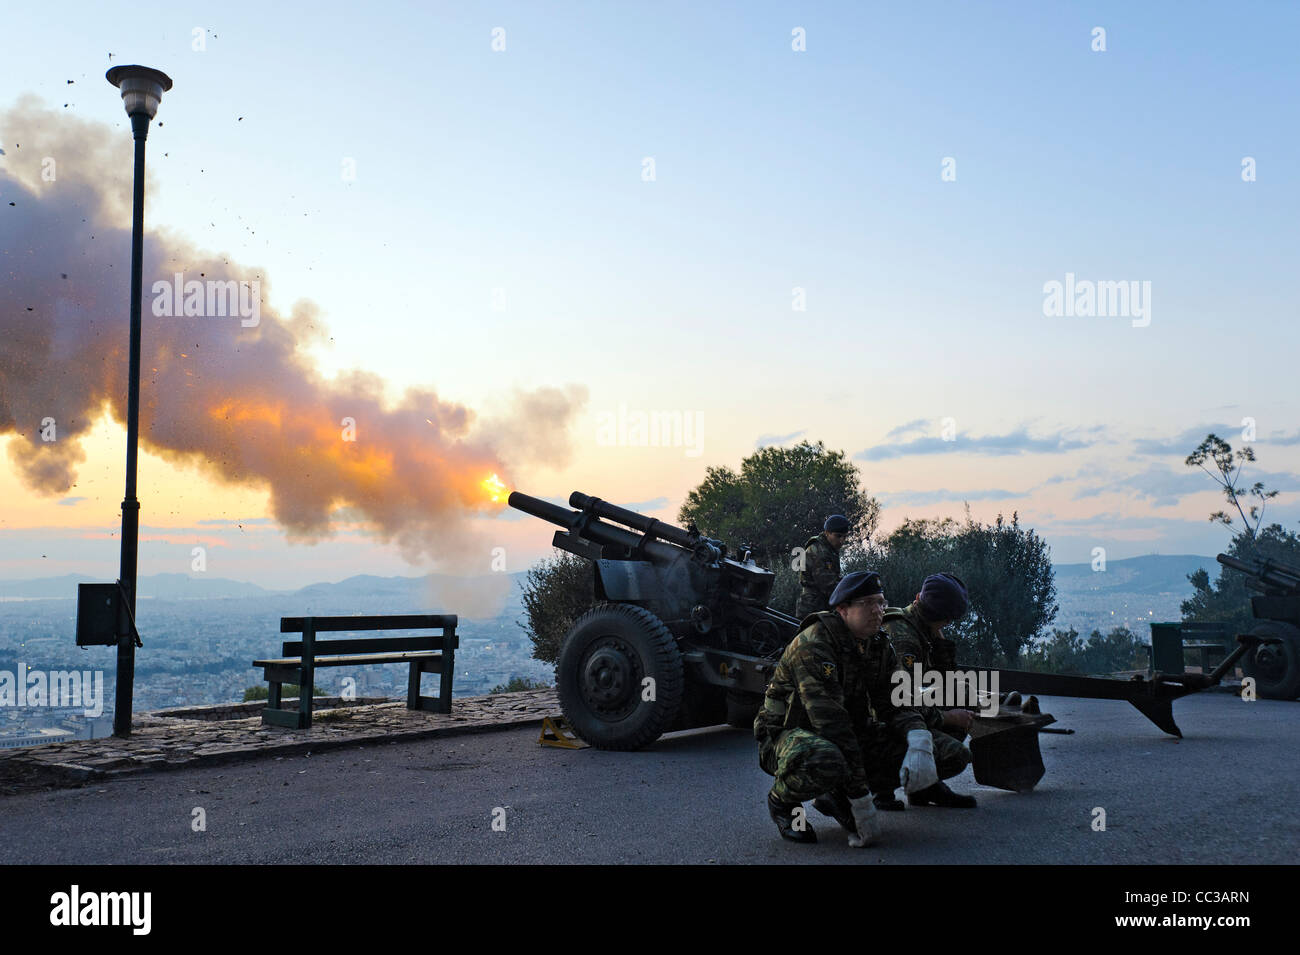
<point x="836" y="524"/>
<point x="861" y="583"/>
<point x="943" y="597"/>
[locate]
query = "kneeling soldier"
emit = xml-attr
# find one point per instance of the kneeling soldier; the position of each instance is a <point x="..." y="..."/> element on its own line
<point x="830" y="687"/>
<point x="916" y="632"/>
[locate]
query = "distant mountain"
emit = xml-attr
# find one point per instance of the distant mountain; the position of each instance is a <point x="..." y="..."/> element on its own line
<point x="1152" y="574"/>
<point x="1132" y="592"/>
<point x="368" y="585"/>
<point x="155" y="586"/>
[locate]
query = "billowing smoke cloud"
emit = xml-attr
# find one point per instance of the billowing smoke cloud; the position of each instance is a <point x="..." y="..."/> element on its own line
<point x="243" y="403"/>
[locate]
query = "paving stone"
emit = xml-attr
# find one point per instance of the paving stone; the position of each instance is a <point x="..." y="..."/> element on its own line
<point x="190" y="736"/>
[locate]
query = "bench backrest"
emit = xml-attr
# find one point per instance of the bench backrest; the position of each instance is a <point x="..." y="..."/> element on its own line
<point x="310" y="626"/>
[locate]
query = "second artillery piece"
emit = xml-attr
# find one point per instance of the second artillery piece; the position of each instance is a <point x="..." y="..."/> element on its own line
<point x="1274" y="661"/>
<point x="681" y="636"/>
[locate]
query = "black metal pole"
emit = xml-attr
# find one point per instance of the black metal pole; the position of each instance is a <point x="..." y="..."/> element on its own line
<point x="124" y="688"/>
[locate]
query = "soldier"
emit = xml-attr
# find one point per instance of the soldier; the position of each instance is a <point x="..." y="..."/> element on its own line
<point x="821" y="566"/>
<point x="829" y="689"/>
<point x="916" y="633"/>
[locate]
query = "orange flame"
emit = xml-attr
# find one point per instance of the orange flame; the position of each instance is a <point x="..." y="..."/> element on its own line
<point x="495" y="490"/>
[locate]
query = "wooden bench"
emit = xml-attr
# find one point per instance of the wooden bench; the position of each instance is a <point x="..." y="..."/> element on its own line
<point x="427" y="653"/>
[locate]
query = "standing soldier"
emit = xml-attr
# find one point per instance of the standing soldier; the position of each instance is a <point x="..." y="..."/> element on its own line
<point x="820" y="710"/>
<point x="916" y="633"/>
<point x="821" y="567"/>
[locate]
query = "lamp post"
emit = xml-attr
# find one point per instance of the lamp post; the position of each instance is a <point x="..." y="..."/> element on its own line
<point x="142" y="89"/>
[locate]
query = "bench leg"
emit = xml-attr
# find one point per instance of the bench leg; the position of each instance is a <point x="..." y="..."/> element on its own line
<point x="308" y="682"/>
<point x="444" y="681"/>
<point x="413" y="687"/>
<point x="273" y="695"/>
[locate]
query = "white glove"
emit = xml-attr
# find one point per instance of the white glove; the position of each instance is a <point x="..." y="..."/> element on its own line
<point x="864" y="817"/>
<point x="918" y="770"/>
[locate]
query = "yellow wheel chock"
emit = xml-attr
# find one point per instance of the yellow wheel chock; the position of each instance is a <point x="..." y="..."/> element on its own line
<point x="555" y="732"/>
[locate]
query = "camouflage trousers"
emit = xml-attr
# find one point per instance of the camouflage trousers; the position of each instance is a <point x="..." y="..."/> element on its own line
<point x="804" y="764"/>
<point x="810" y="602"/>
<point x="884" y="758"/>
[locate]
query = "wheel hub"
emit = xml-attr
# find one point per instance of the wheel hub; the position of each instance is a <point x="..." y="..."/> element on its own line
<point x="611" y="677"/>
<point x="1270" y="661"/>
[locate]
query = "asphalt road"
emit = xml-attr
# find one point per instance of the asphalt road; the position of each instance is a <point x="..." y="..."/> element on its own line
<point x="1228" y="792"/>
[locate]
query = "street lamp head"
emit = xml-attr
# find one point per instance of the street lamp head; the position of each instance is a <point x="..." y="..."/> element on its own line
<point x="142" y="87"/>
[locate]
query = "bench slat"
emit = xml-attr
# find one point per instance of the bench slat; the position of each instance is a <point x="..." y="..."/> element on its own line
<point x="429" y="660"/>
<point x="372" y="645"/>
<point x="410" y="621"/>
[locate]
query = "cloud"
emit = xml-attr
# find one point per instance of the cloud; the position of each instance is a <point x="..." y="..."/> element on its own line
<point x="1087" y="472"/>
<point x="1165" y="487"/>
<point x="1014" y="442"/>
<point x="917" y="425"/>
<point x="1161" y="486"/>
<point x="771" y="440"/>
<point x="1185" y="442"/>
<point x="943" y="494"/>
<point x="69" y="501"/>
<point x="1279" y="437"/>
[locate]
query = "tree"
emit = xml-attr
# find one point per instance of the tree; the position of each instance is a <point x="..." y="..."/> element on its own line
<point x="1215" y="449"/>
<point x="913" y="551"/>
<point x="1007" y="570"/>
<point x="556" y="592"/>
<point x="517" y="684"/>
<point x="1227" y="600"/>
<point x="1121" y="649"/>
<point x="1066" y="652"/>
<point x="780" y="498"/>
<point x="1012" y="587"/>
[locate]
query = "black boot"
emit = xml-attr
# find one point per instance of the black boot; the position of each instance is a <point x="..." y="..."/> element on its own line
<point x="941" y="796"/>
<point x="783" y="816"/>
<point x="886" y="802"/>
<point x="836" y="805"/>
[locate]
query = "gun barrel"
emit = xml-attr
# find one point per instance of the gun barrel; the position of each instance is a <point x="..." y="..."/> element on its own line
<point x="1235" y="564"/>
<point x="586" y="525"/>
<point x="1269" y="572"/>
<point x="621" y="515"/>
<point x="542" y="509"/>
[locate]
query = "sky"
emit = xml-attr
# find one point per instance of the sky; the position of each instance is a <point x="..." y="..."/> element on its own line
<point x="525" y="223"/>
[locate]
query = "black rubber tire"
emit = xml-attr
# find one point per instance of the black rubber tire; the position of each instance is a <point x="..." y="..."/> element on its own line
<point x="742" y="708"/>
<point x="607" y="654"/>
<point x="1275" y="668"/>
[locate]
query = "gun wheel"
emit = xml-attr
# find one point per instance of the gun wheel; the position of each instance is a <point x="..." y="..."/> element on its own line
<point x="1275" y="666"/>
<point x="619" y="677"/>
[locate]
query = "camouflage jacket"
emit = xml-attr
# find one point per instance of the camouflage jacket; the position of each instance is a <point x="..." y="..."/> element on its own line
<point x="837" y="687"/>
<point x="915" y="640"/>
<point x="820" y="574"/>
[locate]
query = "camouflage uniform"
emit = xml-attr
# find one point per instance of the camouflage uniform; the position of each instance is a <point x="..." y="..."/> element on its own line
<point x="820" y="574"/>
<point x="827" y="721"/>
<point x="917" y="641"/>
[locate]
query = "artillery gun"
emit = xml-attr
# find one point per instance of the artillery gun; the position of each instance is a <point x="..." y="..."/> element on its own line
<point x="681" y="636"/>
<point x="1274" y="663"/>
